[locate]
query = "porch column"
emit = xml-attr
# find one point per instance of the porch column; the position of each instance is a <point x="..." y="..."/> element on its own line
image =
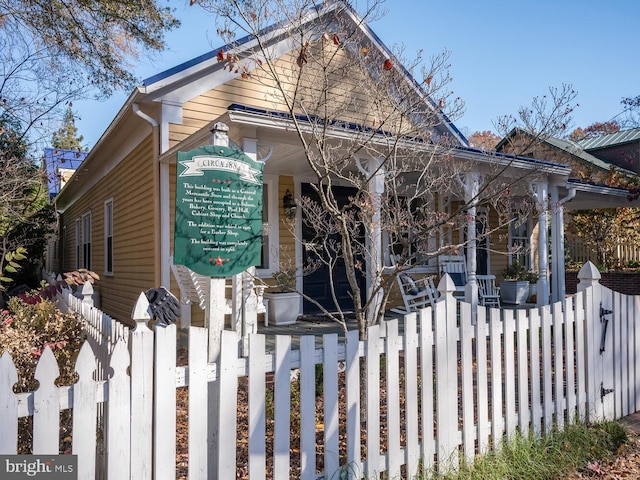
<point x="244" y="306"/>
<point x="374" y="264"/>
<point x="541" y="191"/>
<point x="558" y="288"/>
<point x="471" y="185"/>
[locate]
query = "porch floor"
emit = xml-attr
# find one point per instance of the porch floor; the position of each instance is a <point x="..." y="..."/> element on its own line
<point x="318" y="325"/>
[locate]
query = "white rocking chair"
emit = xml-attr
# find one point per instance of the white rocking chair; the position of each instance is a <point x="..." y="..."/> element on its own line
<point x="456" y="267"/>
<point x="416" y="293"/>
<point x="488" y="292"/>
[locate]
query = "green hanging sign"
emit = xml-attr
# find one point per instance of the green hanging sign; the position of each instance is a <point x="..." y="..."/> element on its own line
<point x="218" y="213"/>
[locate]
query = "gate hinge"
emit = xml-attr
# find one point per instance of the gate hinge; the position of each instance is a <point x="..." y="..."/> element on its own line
<point x="604" y="391"/>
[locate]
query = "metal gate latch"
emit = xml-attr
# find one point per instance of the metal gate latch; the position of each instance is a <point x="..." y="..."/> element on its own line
<point x="603" y="314"/>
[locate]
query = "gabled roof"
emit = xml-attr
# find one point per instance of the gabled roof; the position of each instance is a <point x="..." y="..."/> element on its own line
<point x="176" y="83"/>
<point x="572" y="148"/>
<point x="611" y="139"/>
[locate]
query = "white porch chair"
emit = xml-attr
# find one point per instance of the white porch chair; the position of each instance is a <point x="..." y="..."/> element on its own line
<point x="456" y="267"/>
<point x="488" y="292"/>
<point x="416" y="293"/>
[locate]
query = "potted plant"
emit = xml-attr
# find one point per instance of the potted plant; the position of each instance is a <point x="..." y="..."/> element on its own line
<point x="284" y="300"/>
<point x="532" y="278"/>
<point x="514" y="288"/>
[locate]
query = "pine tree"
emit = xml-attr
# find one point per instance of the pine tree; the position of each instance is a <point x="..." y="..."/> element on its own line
<point x="66" y="137"/>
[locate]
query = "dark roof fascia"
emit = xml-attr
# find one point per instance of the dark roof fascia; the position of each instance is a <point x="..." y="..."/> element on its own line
<point x="471" y="153"/>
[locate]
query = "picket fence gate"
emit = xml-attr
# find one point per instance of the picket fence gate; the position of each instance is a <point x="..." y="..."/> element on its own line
<point x="440" y="389"/>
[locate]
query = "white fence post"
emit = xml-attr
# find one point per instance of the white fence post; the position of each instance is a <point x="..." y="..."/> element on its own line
<point x="141" y="344"/>
<point x="87" y="294"/>
<point x="8" y="406"/>
<point x="589" y="277"/>
<point x="446" y="375"/>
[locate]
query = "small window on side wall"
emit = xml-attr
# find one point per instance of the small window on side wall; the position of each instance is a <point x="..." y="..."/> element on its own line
<point x="108" y="237"/>
<point x="86" y="241"/>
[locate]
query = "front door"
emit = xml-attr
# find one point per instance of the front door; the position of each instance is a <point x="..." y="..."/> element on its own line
<point x="317" y="284"/>
<point x="482" y="243"/>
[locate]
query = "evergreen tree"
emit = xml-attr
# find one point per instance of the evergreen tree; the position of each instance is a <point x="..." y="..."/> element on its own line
<point x="66" y="137"/>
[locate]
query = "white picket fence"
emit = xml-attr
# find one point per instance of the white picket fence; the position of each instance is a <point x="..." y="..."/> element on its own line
<point x="439" y="389"/>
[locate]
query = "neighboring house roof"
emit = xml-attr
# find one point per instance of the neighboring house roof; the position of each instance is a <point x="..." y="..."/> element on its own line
<point x="611" y="139"/>
<point x="576" y="150"/>
<point x="572" y="148"/>
<point x="60" y="164"/>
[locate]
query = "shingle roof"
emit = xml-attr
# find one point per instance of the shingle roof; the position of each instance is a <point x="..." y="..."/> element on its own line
<point x="611" y="139"/>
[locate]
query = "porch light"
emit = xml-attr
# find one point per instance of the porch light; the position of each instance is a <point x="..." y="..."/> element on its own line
<point x="289" y="205"/>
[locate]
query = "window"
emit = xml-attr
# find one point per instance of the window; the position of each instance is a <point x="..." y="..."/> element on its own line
<point x="78" y="243"/>
<point x="520" y="241"/>
<point x="86" y="241"/>
<point x="270" y="233"/>
<point x="63" y="245"/>
<point x="108" y="236"/>
<point x="264" y="258"/>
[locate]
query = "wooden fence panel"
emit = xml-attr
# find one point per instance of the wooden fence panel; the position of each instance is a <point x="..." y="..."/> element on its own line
<point x="446" y="382"/>
<point x="533" y="369"/>
<point x="510" y="418"/>
<point x="85" y="410"/>
<point x="198" y="401"/>
<point x="468" y="395"/>
<point x="482" y="381"/>
<point x="282" y="407"/>
<point x="392" y="368"/>
<point x="570" y="359"/>
<point x="428" y="449"/>
<point x="119" y="415"/>
<point x="496" y="399"/>
<point x="523" y="406"/>
<point x="352" y="383"/>
<point x="164" y="403"/>
<point x="307" y="408"/>
<point x="372" y="353"/>
<point x="330" y="405"/>
<point x="142" y="353"/>
<point x="228" y="403"/>
<point x="635" y="301"/>
<point x="46" y="406"/>
<point x="558" y="367"/>
<point x="257" y="408"/>
<point x="411" y="417"/>
<point x="8" y="406"/>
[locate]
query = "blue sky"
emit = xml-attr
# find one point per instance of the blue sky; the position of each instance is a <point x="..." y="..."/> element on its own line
<point x="503" y="53"/>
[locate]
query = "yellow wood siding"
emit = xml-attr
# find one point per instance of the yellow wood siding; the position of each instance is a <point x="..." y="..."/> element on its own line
<point x="131" y="186"/>
<point x="346" y="100"/>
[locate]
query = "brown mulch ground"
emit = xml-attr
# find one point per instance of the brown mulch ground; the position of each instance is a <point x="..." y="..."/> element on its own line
<point x="626" y="464"/>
